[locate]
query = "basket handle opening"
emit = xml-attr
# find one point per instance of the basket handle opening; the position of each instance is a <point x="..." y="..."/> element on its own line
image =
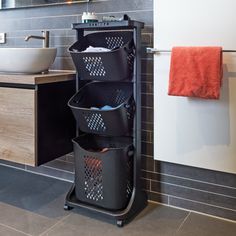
<point x="130" y="151"/>
<point x="129" y="47"/>
<point x="130" y="105"/>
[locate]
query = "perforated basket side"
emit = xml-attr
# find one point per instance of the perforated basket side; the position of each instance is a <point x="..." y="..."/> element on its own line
<point x="93" y="178"/>
<point x="95" y="121"/>
<point x="94" y="66"/>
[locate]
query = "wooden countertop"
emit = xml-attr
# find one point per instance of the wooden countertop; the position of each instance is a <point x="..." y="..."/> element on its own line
<point x="33" y="79"/>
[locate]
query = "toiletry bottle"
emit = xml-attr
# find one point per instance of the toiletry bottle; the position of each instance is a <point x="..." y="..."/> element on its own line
<point x="88" y="17"/>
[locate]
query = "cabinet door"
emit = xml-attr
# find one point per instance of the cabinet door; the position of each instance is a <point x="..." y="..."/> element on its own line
<point x="17" y="125"/>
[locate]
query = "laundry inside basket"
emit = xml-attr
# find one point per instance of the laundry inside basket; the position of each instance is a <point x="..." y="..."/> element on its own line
<point x="96" y="49"/>
<point x="104" y="108"/>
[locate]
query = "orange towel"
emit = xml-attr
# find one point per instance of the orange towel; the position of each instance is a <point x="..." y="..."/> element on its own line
<point x="196" y="72"/>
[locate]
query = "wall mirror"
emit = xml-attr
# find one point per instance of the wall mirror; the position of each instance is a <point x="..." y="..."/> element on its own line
<point x="10" y="4"/>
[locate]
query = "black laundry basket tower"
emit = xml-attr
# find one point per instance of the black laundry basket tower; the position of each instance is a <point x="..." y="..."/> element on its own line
<point x="104" y="177"/>
<point x="108" y="159"/>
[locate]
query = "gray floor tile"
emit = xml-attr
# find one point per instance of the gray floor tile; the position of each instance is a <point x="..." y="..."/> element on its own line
<point x="154" y="220"/>
<point x="31" y="203"/>
<point x="200" y="225"/>
<point x="24" y="221"/>
<point x="53" y="209"/>
<point x="4" y="231"/>
<point x="34" y="193"/>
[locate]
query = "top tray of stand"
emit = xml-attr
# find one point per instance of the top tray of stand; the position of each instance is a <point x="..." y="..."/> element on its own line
<point x="107" y="25"/>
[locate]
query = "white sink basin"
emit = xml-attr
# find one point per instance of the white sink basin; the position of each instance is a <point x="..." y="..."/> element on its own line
<point x="26" y="60"/>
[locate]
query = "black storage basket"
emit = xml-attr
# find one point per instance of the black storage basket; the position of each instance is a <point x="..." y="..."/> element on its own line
<point x="104" y="178"/>
<point x="109" y="66"/>
<point x="117" y="121"/>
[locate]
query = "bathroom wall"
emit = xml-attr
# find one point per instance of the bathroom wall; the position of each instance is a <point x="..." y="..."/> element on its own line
<point x="181" y="186"/>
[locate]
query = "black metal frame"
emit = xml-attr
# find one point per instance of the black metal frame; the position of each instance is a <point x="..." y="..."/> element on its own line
<point x="138" y="200"/>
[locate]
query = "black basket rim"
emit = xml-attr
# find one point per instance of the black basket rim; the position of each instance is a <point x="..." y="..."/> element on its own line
<point x="74" y="140"/>
<point x="90" y="53"/>
<point x="94" y="110"/>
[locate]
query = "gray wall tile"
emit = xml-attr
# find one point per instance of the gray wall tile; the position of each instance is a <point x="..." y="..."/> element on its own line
<point x="147" y="126"/>
<point x="210" y="176"/>
<point x="157" y="197"/>
<point x="146" y="184"/>
<point x="217" y="189"/>
<point x="61" y="165"/>
<point x="147" y="114"/>
<point x="147" y="87"/>
<point x="147" y="164"/>
<point x="147" y="136"/>
<point x="147" y="66"/>
<point x="123" y="6"/>
<point x="58" y="174"/>
<point x="194" y="194"/>
<point x="147" y="100"/>
<point x="147" y="148"/>
<point x="58" y="22"/>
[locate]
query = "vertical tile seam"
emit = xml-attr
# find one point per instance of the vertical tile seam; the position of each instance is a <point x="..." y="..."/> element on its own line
<point x="183" y="222"/>
<point x="54" y="225"/>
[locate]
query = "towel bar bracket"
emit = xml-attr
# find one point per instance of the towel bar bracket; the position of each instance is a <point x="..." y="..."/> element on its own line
<point x="152" y="50"/>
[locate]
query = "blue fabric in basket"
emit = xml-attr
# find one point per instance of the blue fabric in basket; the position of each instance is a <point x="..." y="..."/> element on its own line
<point x="104" y="108"/>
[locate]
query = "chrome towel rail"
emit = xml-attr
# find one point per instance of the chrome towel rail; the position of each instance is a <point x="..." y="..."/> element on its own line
<point x="158" y="51"/>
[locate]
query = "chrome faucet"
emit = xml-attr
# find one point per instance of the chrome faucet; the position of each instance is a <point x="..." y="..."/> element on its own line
<point x="44" y="37"/>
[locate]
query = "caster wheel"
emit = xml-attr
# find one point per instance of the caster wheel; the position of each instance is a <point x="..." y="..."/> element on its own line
<point x="120" y="223"/>
<point x="67" y="208"/>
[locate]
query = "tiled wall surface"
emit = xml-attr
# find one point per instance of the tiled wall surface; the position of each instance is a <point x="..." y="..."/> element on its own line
<point x="187" y="187"/>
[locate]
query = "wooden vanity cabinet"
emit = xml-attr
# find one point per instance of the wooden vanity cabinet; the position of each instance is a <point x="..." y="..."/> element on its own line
<point x="36" y="125"/>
